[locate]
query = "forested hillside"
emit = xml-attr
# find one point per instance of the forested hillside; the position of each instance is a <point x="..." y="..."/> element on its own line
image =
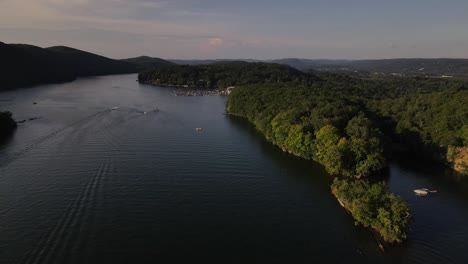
<point x="352" y="126"/>
<point x="335" y="131"/>
<point x="424" y="116"/>
<point x="23" y="65"/>
<point x="144" y="63"/>
<point x="408" y="67"/>
<point x="434" y="125"/>
<point x="405" y="67"/>
<point x="224" y="74"/>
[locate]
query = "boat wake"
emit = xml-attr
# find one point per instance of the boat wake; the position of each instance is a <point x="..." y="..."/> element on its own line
<point x="53" y="246"/>
<point x="34" y="143"/>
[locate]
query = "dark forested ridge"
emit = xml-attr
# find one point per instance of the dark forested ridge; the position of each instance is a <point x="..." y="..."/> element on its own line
<point x="404" y="67"/>
<point x="24" y="65"/>
<point x="146" y="63"/>
<point x="224" y="74"/>
<point x="83" y="63"/>
<point x="205" y="62"/>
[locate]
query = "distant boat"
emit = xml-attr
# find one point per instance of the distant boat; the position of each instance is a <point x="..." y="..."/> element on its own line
<point x="115" y="108"/>
<point x="421" y="192"/>
<point x="199" y="129"/>
<point x="424" y="191"/>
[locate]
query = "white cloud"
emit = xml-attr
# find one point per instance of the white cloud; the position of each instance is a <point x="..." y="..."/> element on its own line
<point x="216" y="42"/>
<point x="196" y="28"/>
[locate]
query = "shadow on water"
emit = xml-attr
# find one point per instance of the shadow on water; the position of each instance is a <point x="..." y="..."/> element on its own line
<point x="7" y="139"/>
<point x="308" y="170"/>
<point x="435" y="174"/>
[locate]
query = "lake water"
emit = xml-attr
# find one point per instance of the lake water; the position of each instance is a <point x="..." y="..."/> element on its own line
<point x="87" y="184"/>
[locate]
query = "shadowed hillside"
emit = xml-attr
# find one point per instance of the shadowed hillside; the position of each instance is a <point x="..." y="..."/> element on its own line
<point x="24" y="65"/>
<point x="224" y="74"/>
<point x="405" y="67"/>
<point x="146" y="63"/>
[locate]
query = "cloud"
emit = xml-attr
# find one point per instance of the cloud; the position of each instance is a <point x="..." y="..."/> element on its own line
<point x="216" y="42"/>
<point x="216" y="28"/>
<point x="151" y="17"/>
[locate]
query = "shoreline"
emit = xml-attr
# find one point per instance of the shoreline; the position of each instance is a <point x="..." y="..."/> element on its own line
<point x="372" y="228"/>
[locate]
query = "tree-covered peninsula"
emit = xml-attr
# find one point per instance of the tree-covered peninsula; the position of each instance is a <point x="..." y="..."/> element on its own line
<point x="349" y="125"/>
<point x="372" y="206"/>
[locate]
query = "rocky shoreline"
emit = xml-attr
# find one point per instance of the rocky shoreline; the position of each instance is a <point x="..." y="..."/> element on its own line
<point x="200" y="93"/>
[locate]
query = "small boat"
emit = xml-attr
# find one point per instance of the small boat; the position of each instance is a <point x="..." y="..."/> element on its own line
<point x="198" y="129"/>
<point x="115" y="108"/>
<point x="421" y="192"/>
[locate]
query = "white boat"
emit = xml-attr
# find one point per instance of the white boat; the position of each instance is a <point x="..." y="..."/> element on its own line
<point x="199" y="129"/>
<point x="115" y="108"/>
<point x="422" y="191"/>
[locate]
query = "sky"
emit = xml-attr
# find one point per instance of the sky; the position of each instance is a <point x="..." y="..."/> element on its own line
<point x="243" y="29"/>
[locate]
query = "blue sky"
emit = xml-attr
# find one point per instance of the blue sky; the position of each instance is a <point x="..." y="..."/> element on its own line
<point x="260" y="29"/>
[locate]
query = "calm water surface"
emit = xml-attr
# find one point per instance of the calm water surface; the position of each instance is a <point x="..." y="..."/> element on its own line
<point x="87" y="184"/>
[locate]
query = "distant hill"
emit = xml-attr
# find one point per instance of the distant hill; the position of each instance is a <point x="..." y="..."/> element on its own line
<point x="24" y="65"/>
<point x="146" y="63"/>
<point x="87" y="64"/>
<point x="194" y="62"/>
<point x="430" y="67"/>
<point x="306" y="64"/>
<point x="206" y="62"/>
<point x="433" y="67"/>
<point x="422" y="67"/>
<point x="223" y="74"/>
